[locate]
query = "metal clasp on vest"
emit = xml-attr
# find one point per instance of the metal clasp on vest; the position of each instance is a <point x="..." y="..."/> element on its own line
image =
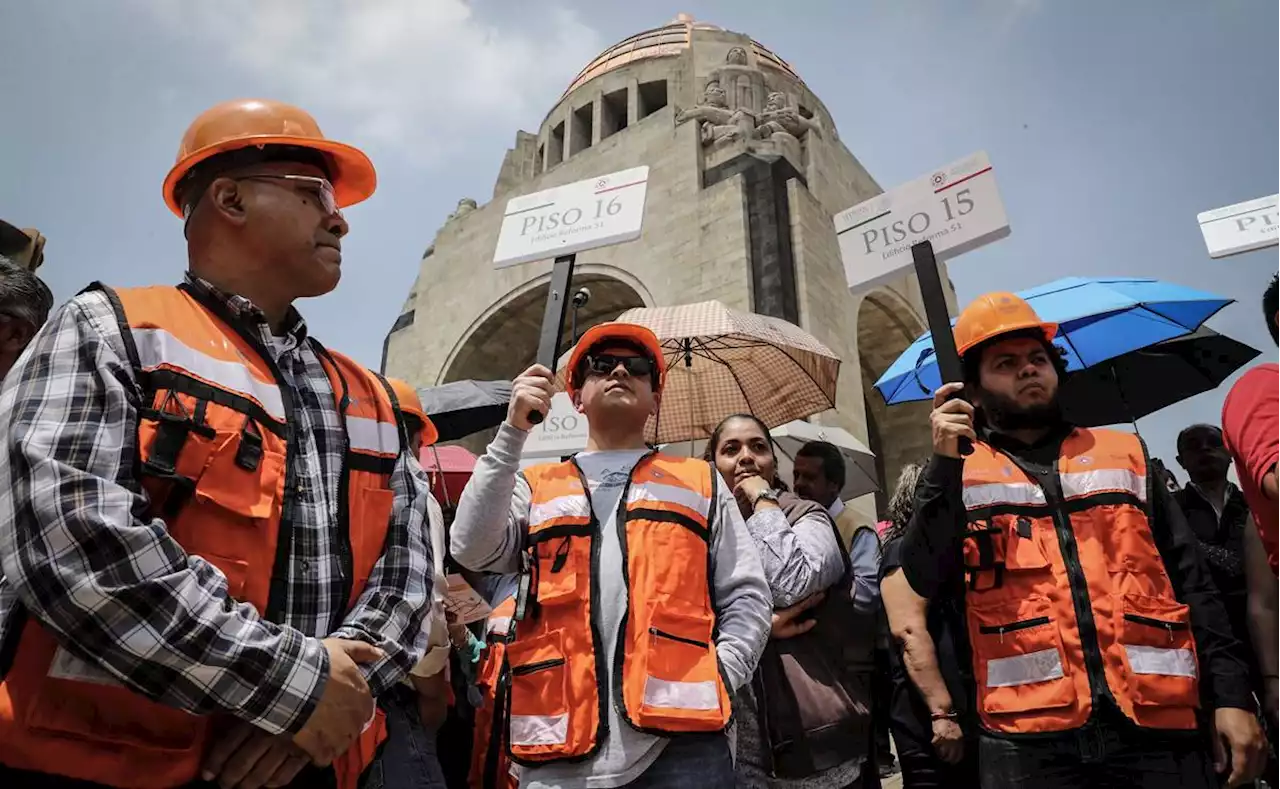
<point x="249" y="453"/>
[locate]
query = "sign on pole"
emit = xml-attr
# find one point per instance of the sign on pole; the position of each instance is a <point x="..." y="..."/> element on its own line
<point x="563" y="432"/>
<point x="957" y="208"/>
<point x="1242" y="227"/>
<point x="595" y="212"/>
<point x="561" y="222"/>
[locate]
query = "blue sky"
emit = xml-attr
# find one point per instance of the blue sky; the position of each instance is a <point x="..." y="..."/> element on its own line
<point x="1111" y="125"/>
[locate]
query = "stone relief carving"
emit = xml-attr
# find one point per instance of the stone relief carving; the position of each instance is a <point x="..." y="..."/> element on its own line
<point x="465" y="206"/>
<point x="733" y="115"/>
<point x="779" y="118"/>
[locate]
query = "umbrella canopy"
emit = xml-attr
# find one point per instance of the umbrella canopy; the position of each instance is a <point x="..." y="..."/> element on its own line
<point x="449" y="468"/>
<point x="1098" y="319"/>
<point x="859" y="461"/>
<point x="1141" y="382"/>
<point x="461" y="408"/>
<point x="722" y="361"/>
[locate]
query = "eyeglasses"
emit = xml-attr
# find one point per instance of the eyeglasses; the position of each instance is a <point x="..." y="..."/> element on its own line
<point x="605" y="364"/>
<point x="320" y="187"/>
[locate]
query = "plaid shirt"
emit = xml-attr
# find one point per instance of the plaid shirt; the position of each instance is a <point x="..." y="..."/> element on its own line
<point x="127" y="602"/>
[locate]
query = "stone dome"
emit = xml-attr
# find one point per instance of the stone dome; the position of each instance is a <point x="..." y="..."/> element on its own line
<point x="669" y="40"/>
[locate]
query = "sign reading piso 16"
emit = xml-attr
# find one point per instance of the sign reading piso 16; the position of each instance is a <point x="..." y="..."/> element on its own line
<point x="1241" y="227"/>
<point x="957" y="208"/>
<point x="595" y="212"/>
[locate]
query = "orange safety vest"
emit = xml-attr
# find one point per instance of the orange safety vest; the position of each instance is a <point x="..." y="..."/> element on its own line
<point x="490" y="766"/>
<point x="1067" y="597"/>
<point x="666" y="675"/>
<point x="214" y="461"/>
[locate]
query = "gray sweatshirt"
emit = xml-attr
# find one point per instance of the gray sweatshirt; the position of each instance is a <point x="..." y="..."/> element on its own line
<point x="490" y="531"/>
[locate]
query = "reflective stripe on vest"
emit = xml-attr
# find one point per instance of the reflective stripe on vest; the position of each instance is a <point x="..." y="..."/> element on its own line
<point x="214" y="463"/>
<point x="1038" y="666"/>
<point x="669" y="674"/>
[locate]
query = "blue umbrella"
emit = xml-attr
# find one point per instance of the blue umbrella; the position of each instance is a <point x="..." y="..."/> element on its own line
<point x="1098" y="319"/>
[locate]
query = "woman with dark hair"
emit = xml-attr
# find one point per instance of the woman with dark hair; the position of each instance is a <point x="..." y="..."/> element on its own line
<point x="806" y="726"/>
<point x="928" y="665"/>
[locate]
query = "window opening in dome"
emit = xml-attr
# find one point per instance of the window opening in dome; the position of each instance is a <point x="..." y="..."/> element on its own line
<point x="653" y="97"/>
<point x="613" y="113"/>
<point x="580" y="129"/>
<point x="542" y="161"/>
<point x="555" y="150"/>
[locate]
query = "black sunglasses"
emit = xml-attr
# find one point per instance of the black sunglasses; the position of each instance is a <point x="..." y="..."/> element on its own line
<point x="605" y="364"/>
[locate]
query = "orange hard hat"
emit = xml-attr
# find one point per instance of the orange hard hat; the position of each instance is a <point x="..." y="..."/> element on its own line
<point x="624" y="333"/>
<point x="993" y="314"/>
<point x="411" y="405"/>
<point x="245" y="123"/>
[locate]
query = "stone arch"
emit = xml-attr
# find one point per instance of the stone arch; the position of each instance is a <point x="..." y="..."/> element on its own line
<point x="900" y="434"/>
<point x="503" y="341"/>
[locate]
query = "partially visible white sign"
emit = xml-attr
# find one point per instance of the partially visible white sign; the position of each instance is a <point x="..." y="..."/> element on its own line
<point x="957" y="207"/>
<point x="1242" y="227"/>
<point x="563" y="432"/>
<point x="596" y="212"/>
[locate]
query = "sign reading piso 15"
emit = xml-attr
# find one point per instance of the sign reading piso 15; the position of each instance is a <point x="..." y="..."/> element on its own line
<point x="956" y="207"/>
<point x="1242" y="227"/>
<point x="595" y="212"/>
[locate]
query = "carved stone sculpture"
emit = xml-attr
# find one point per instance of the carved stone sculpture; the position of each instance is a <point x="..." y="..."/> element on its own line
<point x="718" y="122"/>
<point x="778" y="118"/>
<point x="465" y="206"/>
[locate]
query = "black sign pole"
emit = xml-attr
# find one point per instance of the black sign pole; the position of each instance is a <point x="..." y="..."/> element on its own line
<point x="553" y="319"/>
<point x="935" y="310"/>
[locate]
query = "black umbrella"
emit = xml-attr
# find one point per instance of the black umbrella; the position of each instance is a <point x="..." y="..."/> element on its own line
<point x="461" y="408"/>
<point x="1141" y="382"/>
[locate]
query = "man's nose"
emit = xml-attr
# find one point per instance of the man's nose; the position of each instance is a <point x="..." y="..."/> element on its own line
<point x="336" y="223"/>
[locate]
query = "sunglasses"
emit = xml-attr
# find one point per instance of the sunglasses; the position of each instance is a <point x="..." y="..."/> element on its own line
<point x="605" y="364"/>
<point x="320" y="187"/>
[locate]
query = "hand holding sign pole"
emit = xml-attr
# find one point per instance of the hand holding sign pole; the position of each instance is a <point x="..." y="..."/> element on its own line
<point x="562" y="222"/>
<point x="955" y="209"/>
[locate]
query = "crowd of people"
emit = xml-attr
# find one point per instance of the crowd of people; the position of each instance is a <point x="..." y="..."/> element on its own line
<point x="223" y="565"/>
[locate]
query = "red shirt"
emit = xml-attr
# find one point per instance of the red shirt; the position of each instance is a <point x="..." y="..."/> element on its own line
<point x="1251" y="428"/>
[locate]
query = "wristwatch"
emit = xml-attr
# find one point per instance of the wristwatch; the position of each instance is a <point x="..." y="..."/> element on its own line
<point x="767" y="495"/>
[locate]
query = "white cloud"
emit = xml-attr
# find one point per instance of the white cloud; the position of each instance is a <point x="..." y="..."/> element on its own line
<point x="421" y="76"/>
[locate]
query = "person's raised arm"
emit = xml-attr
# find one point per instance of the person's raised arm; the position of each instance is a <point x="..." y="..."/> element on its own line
<point x="1264" y="615"/>
<point x="493" y="515"/>
<point x="744" y="606"/>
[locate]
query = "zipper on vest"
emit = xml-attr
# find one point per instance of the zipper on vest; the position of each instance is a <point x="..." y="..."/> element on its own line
<point x="693" y="642"/>
<point x="278" y="593"/>
<point x="1080" y="599"/>
<point x="1013" y="626"/>
<point x="597" y="642"/>
<point x="1157" y="623"/>
<point x="532" y="668"/>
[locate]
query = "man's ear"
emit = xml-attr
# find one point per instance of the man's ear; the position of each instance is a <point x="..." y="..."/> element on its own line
<point x="577" y="402"/>
<point x="226" y="197"/>
<point x="657" y="403"/>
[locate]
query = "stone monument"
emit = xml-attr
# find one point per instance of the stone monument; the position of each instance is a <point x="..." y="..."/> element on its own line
<point x="746" y="170"/>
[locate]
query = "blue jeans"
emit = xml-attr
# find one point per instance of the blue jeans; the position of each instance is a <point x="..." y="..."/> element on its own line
<point x="408" y="757"/>
<point x="691" y="761"/>
<point x="1101" y="756"/>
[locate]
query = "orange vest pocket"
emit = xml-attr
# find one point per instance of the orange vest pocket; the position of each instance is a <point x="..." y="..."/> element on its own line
<point x="558" y="563"/>
<point x="681" y="674"/>
<point x="539" y="719"/>
<point x="1158" y="647"/>
<point x="1019" y="658"/>
<point x="253" y="494"/>
<point x="373" y="509"/>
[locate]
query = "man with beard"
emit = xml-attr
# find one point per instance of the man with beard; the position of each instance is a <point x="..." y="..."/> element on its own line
<point x="1095" y="631"/>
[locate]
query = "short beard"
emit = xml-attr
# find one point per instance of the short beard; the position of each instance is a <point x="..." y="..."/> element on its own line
<point x="1005" y="415"/>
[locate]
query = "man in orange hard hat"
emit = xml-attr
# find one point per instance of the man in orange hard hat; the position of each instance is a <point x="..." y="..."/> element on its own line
<point x="642" y="603"/>
<point x="211" y="532"/>
<point x="1095" y="632"/>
